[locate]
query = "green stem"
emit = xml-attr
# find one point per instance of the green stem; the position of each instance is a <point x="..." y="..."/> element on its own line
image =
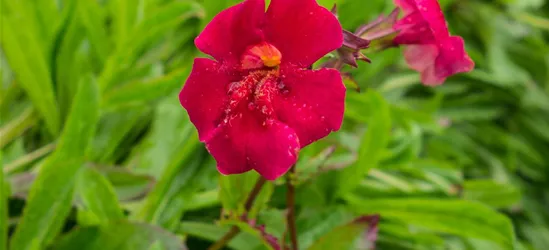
<point x="290" y="202"/>
<point x="17" y="126"/>
<point x="247" y="206"/>
<point x="28" y="158"/>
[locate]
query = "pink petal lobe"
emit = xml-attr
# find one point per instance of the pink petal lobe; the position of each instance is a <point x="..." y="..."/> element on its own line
<point x="431" y="12"/>
<point x="245" y="144"/>
<point x="273" y="151"/>
<point x="413" y="30"/>
<point x="204" y="95"/>
<point x="302" y="30"/>
<point x="313" y="104"/>
<point x="453" y="58"/>
<point x="407" y="6"/>
<point x="230" y="32"/>
<point x="420" y="57"/>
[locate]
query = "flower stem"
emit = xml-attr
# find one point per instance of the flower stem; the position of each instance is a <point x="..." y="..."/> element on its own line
<point x="247" y="206"/>
<point x="290" y="202"/>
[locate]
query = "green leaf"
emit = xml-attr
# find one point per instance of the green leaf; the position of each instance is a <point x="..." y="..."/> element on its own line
<point x="119" y="236"/>
<point x="29" y="64"/>
<point x="170" y="131"/>
<point x="114" y="129"/>
<point x="458" y="217"/>
<point x="159" y="23"/>
<point x="18" y="126"/>
<point x="3" y="207"/>
<point x="313" y="223"/>
<point x="167" y="200"/>
<point x="345" y="236"/>
<point x="98" y="195"/>
<point x="234" y="191"/>
<point x="128" y="186"/>
<point x="140" y="92"/>
<point x="498" y="195"/>
<point x="50" y="197"/>
<point x="372" y="143"/>
<point x="91" y="16"/>
<point x="212" y="232"/>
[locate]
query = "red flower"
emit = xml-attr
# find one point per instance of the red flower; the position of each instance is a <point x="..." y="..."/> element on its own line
<point x="258" y="104"/>
<point x="431" y="50"/>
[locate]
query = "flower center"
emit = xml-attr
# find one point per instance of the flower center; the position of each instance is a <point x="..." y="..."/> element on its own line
<point x="252" y="96"/>
<point x="260" y="56"/>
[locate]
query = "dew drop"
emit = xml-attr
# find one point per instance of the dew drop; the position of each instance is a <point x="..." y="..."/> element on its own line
<point x="322" y="118"/>
<point x="251" y="106"/>
<point x="285" y="92"/>
<point x="281" y="85"/>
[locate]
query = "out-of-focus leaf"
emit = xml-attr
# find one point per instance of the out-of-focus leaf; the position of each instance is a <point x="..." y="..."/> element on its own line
<point x="258" y="231"/>
<point x="170" y="131"/>
<point x="235" y="190"/>
<point x="168" y="196"/>
<point x="28" y="158"/>
<point x="50" y="197"/>
<point x="372" y="143"/>
<point x="141" y="92"/>
<point x="160" y="22"/>
<point x="346" y="236"/>
<point x="91" y="16"/>
<point x="98" y="196"/>
<point x="15" y="128"/>
<point x="113" y="129"/>
<point x="3" y="207"/>
<point x="463" y="218"/>
<point x="29" y="63"/>
<point x="119" y="236"/>
<point x="213" y="233"/>
<point x="312" y="224"/>
<point x="128" y="186"/>
<point x="401" y="236"/>
<point x="498" y="195"/>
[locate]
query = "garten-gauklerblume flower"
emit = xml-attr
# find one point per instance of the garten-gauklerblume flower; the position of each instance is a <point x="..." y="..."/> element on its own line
<point x="429" y="47"/>
<point x="258" y="103"/>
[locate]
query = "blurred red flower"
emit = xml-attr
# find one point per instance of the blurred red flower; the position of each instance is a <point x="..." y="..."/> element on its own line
<point x="430" y="48"/>
<point x="258" y="103"/>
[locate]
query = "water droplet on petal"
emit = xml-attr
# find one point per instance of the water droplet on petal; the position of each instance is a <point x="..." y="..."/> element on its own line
<point x="281" y="85"/>
<point x="251" y="106"/>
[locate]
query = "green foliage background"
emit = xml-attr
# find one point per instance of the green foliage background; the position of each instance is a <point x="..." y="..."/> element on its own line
<point x="98" y="154"/>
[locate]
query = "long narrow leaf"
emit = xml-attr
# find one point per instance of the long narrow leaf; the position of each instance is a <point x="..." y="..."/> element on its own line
<point x="50" y="197"/>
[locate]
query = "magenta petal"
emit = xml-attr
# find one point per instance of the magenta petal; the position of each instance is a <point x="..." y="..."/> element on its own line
<point x="228" y="146"/>
<point x="452" y="58"/>
<point x="432" y="14"/>
<point x="438" y="62"/>
<point x="420" y="57"/>
<point x="407" y="6"/>
<point x="302" y="30"/>
<point x="245" y="144"/>
<point x="273" y="151"/>
<point x="314" y="103"/>
<point x="204" y="95"/>
<point x="230" y="32"/>
<point x="413" y="30"/>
